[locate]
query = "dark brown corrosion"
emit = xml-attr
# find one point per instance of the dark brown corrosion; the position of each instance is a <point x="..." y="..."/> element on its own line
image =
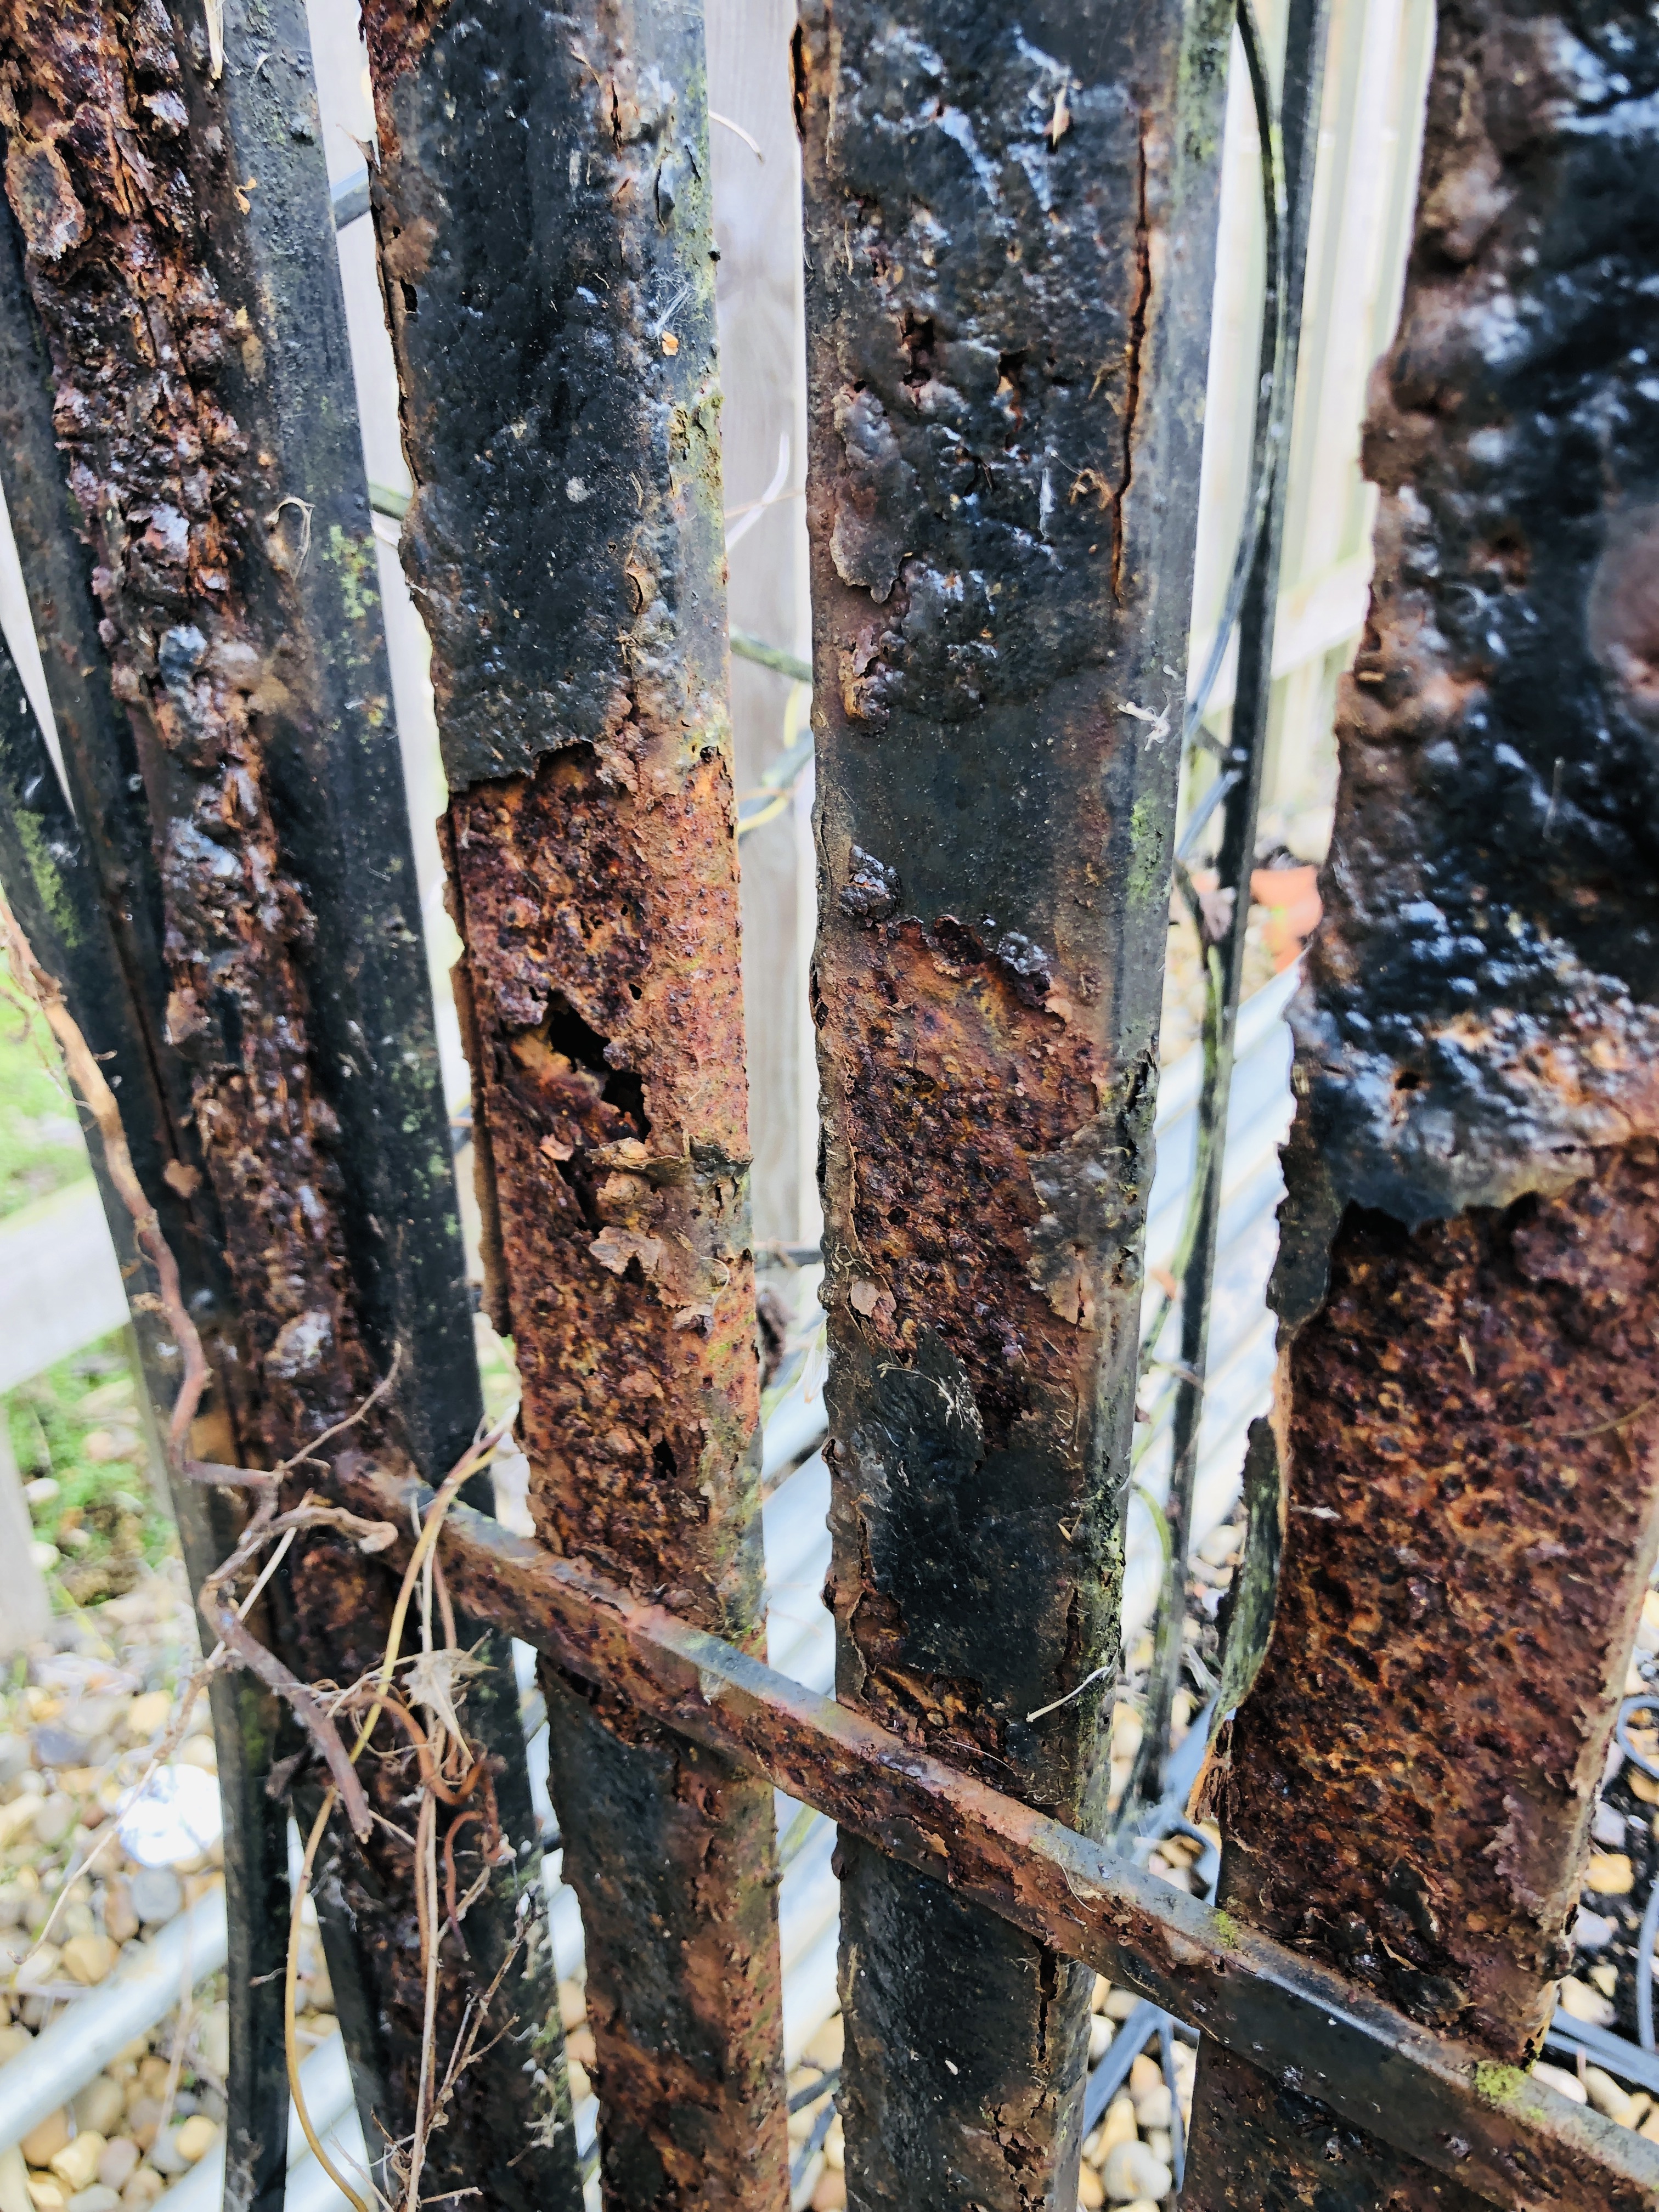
<point x="1009" y="237"/>
<point x="96" y="113"/>
<point x="227" y="623"/>
<point x="1466" y="1416"/>
<point x="551" y="296"/>
<point x="1322" y="2046"/>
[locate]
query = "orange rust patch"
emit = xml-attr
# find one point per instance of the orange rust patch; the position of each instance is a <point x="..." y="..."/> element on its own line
<point x="606" y="998"/>
<point x="1470" y="1426"/>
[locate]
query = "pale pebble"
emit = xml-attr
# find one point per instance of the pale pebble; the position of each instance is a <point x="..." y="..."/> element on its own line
<point x="1131" y="2171"/>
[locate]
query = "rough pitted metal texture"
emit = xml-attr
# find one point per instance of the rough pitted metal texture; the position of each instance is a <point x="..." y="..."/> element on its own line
<point x="1469" y="1282"/>
<point x="1009" y="241"/>
<point x="201" y="390"/>
<point x="547" y="253"/>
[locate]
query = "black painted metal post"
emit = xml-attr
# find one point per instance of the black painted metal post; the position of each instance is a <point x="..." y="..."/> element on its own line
<point x="47" y="876"/>
<point x="202" y="576"/>
<point x="1467" y="1293"/>
<point x="1010" y="227"/>
<point x="544" y="214"/>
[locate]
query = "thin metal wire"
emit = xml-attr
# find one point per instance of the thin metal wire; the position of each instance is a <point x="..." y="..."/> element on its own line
<point x="1251" y="599"/>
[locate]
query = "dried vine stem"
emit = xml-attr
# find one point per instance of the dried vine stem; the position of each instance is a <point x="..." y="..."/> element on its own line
<point x="42" y="988"/>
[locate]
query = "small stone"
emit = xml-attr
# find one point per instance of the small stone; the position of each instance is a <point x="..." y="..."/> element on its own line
<point x="143" y="2118"/>
<point x="141" y="2192"/>
<point x="121" y="1923"/>
<point x="119" y="2163"/>
<point x="41" y="1967"/>
<point x="166" y="2156"/>
<point x="54" y="1817"/>
<point x="13" y="2040"/>
<point x="148" y="1714"/>
<point x="1145" y="2073"/>
<point x="1607" y="2096"/>
<point x="826" y="2047"/>
<point x="1132" y="2171"/>
<point x="1591" y="1931"/>
<point x="1101" y="2031"/>
<point x="157" y="1894"/>
<point x="1557" y="2078"/>
<point x="579" y="2045"/>
<point x="1121" y="2004"/>
<point x="213" y="2040"/>
<point x="1091" y="2190"/>
<point x="89" y="1959"/>
<point x="1118" y="2127"/>
<point x="1610" y="1874"/>
<point x="47" y="2193"/>
<point x="97" y="2197"/>
<point x="1153" y="2108"/>
<point x="55" y="1746"/>
<point x="14" y="1758"/>
<point x="572" y="2005"/>
<point x="196" y="2137"/>
<point x="1605" y="1977"/>
<point x="830" y="2194"/>
<point x="76" y="2164"/>
<point x="1580" y="2001"/>
<point x="1607" y="1827"/>
<point x="198" y="1751"/>
<point x="101" y="2106"/>
<point x="1649" y="2127"/>
<point x="14" y="2182"/>
<point x="1102" y="1990"/>
<point x="1644" y="1786"/>
<point x="581" y="2085"/>
<point x="46" y="2138"/>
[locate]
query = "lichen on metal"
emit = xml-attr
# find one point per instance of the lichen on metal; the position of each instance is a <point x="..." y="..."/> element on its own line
<point x="547" y="253"/>
<point x="1465" y="1415"/>
<point x="1010" y="233"/>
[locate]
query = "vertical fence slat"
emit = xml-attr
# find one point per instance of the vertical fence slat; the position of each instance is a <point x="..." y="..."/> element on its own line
<point x="228" y="738"/>
<point x="1468" y="1288"/>
<point x="544" y="218"/>
<point x="52" y="889"/>
<point x="1010" y="244"/>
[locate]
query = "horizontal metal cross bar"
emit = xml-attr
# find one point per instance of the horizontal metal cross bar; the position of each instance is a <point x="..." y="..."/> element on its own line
<point x="1500" y="2134"/>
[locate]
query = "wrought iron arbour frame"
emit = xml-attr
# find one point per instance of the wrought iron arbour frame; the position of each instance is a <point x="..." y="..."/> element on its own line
<point x="1007" y="327"/>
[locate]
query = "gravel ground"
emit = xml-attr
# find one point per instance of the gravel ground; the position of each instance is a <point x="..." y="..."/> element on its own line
<point x="77" y="1730"/>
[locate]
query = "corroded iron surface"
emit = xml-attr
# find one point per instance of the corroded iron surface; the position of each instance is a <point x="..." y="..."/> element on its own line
<point x="1009" y="241"/>
<point x="1466" y="1415"/>
<point x="228" y="741"/>
<point x="551" y="294"/>
<point x="1486" y="2129"/>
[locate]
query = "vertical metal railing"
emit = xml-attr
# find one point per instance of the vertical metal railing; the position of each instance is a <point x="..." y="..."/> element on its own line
<point x="544" y="222"/>
<point x="234" y="908"/>
<point x="1466" y="1293"/>
<point x="1010" y="264"/>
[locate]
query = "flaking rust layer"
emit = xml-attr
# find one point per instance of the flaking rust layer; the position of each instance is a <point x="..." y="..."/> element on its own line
<point x="1010" y="231"/>
<point x="547" y="253"/>
<point x="123" y="173"/>
<point x="1466" y="1411"/>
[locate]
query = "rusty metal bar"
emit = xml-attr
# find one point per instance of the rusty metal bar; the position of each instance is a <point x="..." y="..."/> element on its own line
<point x="1466" y="1413"/>
<point x="48" y="881"/>
<point x="1010" y="226"/>
<point x="1289" y="130"/>
<point x="541" y="207"/>
<point x="1305" y="2031"/>
<point x="218" y="678"/>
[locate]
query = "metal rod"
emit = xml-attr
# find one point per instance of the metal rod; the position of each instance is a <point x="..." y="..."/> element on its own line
<point x="1467" y="1398"/>
<point x="545" y="227"/>
<point x="1301" y="2029"/>
<point x="1005" y="338"/>
<point x="1289" y="131"/>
